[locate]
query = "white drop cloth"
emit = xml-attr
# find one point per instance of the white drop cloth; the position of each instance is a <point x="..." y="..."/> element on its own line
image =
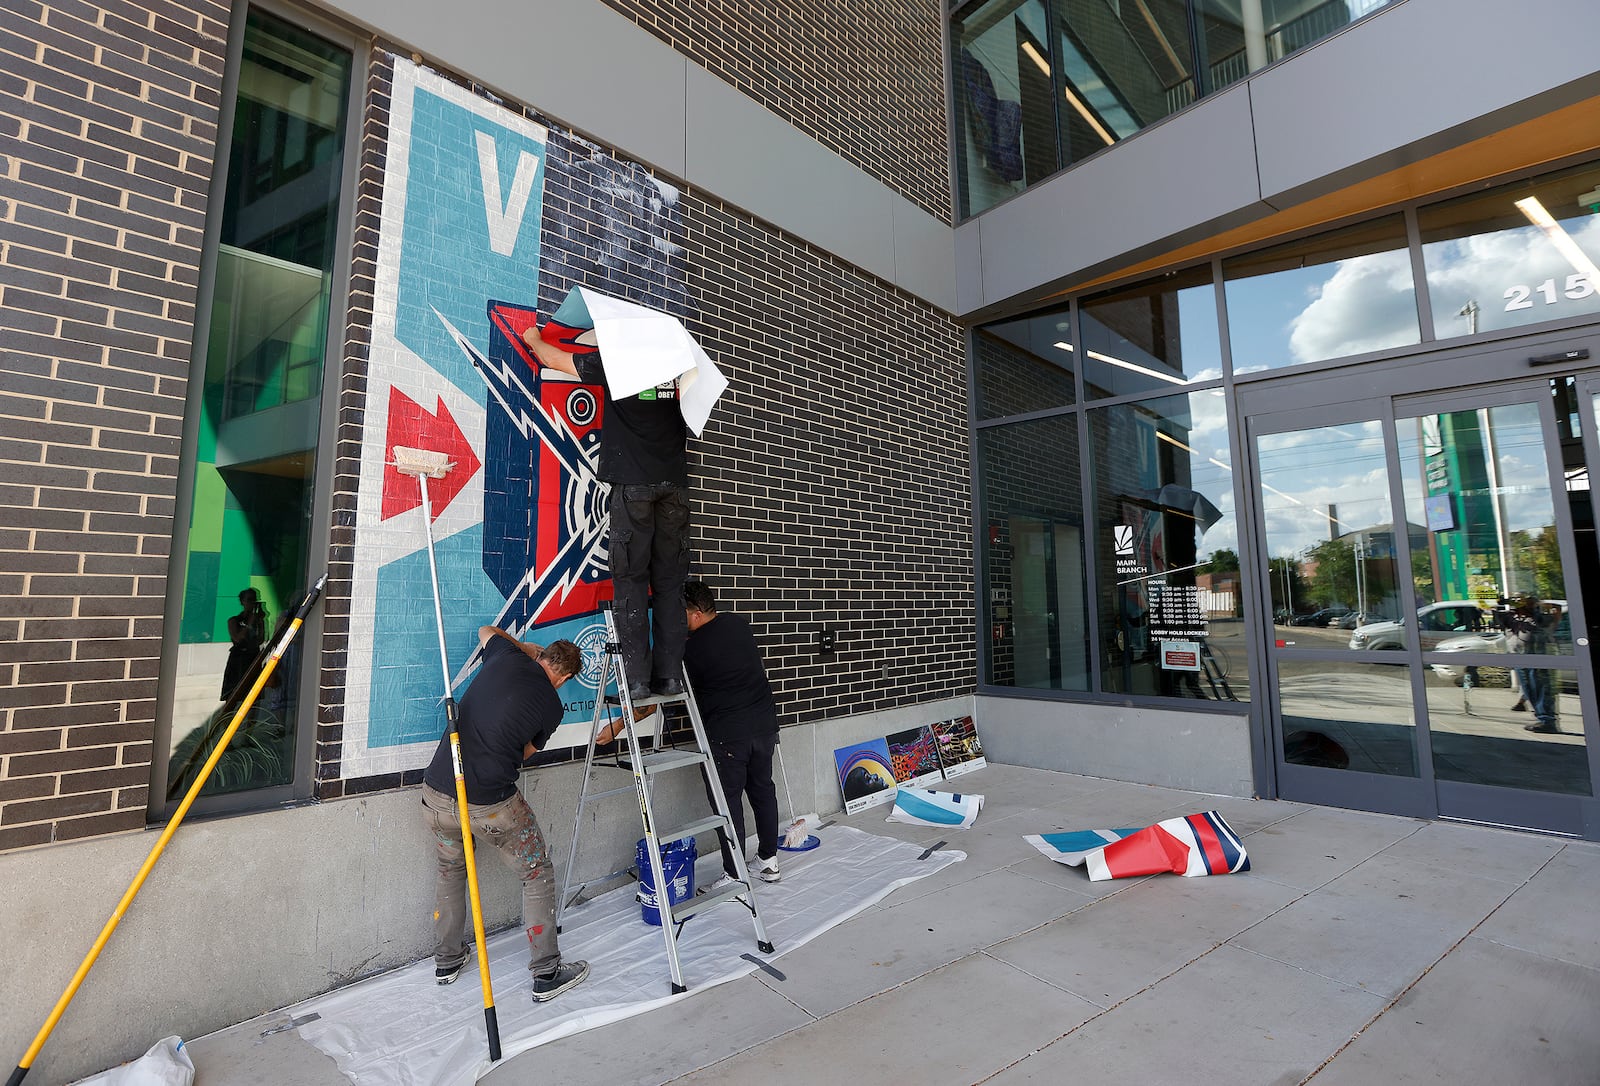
<point x="402" y="1029"/>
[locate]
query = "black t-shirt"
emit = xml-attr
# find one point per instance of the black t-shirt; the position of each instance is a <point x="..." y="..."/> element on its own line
<point x="509" y="705"/>
<point x="730" y="683"/>
<point x="643" y="438"/>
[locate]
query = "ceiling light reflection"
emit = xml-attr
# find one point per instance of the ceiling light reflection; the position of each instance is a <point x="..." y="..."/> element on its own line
<point x="1536" y="213"/>
<point x="1033" y="55"/>
<point x="1135" y="367"/>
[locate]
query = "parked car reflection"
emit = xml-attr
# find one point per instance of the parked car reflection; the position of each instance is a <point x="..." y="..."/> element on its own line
<point x="1437" y="621"/>
<point x="1328" y="616"/>
<point x="1362" y="618"/>
<point x="1493" y="640"/>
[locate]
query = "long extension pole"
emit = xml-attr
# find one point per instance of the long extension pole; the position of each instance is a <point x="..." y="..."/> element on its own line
<point x="166" y="835"/>
<point x="491" y="1023"/>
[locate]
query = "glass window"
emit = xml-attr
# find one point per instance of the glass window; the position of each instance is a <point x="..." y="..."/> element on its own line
<point x="1024" y="365"/>
<point x="1031" y="519"/>
<point x="1347" y="292"/>
<point x="1244" y="36"/>
<point x="1120" y="68"/>
<point x="1038" y="87"/>
<point x="1004" y="102"/>
<point x="1516" y="255"/>
<point x="1153" y="336"/>
<point x="1168" y="549"/>
<point x="1512" y="727"/>
<point x="1477" y="479"/>
<point x="260" y="410"/>
<point x="1334" y="555"/>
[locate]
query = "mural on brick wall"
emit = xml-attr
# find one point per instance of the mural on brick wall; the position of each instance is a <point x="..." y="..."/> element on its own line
<point x="473" y="193"/>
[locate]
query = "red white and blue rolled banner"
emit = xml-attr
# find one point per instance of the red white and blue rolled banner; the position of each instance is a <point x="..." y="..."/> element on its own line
<point x="1197" y="844"/>
<point x="925" y="807"/>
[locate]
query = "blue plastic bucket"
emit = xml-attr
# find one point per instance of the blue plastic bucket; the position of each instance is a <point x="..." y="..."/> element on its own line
<point x="677" y="866"/>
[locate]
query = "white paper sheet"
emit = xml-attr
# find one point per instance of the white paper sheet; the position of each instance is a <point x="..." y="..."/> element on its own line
<point x="402" y="1029"/>
<point x="698" y="392"/>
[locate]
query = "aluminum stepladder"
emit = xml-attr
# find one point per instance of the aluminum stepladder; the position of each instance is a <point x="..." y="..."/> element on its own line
<point x="646" y="766"/>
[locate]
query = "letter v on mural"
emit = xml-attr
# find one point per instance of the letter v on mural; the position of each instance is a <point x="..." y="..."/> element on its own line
<point x="519" y="522"/>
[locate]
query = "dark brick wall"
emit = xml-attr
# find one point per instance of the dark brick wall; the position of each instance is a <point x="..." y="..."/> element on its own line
<point x="831" y="488"/>
<point x="864" y="80"/>
<point x="370" y="144"/>
<point x="108" y="117"/>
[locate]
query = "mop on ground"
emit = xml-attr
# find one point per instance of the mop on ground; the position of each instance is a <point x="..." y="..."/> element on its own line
<point x="425" y="465"/>
<point x="797" y="836"/>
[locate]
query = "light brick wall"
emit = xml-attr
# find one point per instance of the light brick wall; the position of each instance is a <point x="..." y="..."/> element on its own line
<point x="108" y="119"/>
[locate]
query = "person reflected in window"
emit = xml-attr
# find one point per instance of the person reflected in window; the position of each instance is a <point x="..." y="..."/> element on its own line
<point x="1528" y="623"/>
<point x="247" y="632"/>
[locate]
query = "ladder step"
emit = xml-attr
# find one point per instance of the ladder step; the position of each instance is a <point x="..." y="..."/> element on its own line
<point x="683" y="910"/>
<point x="646" y="756"/>
<point x="661" y="761"/>
<point x="584" y="801"/>
<point x="653" y="699"/>
<point x="694" y="829"/>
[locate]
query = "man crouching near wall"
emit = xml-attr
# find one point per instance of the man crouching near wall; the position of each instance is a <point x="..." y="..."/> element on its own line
<point x="506" y="715"/>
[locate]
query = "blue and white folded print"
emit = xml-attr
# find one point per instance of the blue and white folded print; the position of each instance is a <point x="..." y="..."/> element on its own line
<point x="924" y="807"/>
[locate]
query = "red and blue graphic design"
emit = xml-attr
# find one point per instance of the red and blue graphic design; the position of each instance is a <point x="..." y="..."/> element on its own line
<point x="544" y="539"/>
<point x="519" y="522"/>
<point x="1197" y="844"/>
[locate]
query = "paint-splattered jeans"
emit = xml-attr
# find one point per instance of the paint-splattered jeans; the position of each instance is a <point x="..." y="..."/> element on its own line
<point x="511" y="828"/>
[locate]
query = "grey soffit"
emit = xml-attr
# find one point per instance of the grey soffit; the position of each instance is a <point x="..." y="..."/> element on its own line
<point x="614" y="82"/>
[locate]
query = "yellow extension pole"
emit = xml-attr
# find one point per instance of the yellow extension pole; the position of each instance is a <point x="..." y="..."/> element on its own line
<point x="166" y="835"/>
<point x="425" y="465"/>
<point x="490" y="1018"/>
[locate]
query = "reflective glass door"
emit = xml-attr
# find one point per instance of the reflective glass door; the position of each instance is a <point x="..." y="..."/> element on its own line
<point x="1345" y="728"/>
<point x="1428" y="558"/>
<point x="1496" y="481"/>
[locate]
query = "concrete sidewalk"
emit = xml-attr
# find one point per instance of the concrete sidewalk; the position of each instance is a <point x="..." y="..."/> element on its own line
<point x="1360" y="948"/>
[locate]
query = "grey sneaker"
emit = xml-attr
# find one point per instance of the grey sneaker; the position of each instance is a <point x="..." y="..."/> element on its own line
<point x="567" y="975"/>
<point x="768" y="871"/>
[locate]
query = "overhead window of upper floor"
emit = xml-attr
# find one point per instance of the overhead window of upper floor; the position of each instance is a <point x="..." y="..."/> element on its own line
<point x="1042" y="84"/>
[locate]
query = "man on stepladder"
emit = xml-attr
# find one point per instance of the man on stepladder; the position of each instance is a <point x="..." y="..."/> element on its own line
<point x="741" y="720"/>
<point x="643" y="455"/>
<point x="508" y="712"/>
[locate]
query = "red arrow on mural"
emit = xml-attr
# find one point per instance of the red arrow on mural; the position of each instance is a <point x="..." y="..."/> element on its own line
<point x="410" y="425"/>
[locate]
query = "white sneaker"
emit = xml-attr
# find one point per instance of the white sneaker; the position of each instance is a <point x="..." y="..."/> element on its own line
<point x="768" y="871"/>
<point x="722" y="883"/>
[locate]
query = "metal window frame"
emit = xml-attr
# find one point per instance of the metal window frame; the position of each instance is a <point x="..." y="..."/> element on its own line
<point x="300" y="787"/>
<point x="1389" y="375"/>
